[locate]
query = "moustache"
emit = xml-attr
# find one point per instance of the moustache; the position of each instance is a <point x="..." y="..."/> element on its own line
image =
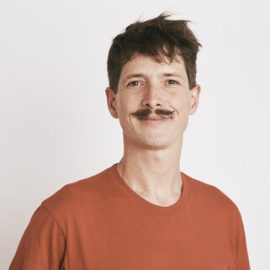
<point x="144" y="113"/>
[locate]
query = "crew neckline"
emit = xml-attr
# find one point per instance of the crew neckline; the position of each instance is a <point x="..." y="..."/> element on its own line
<point x="176" y="207"/>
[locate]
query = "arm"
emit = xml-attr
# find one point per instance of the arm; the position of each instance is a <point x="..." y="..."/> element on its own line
<point x="241" y="261"/>
<point x="42" y="246"/>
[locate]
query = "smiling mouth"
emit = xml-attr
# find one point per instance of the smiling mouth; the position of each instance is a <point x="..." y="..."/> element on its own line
<point x="155" y="118"/>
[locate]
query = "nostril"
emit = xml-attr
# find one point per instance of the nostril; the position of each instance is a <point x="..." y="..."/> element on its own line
<point x="152" y="103"/>
<point x="149" y="105"/>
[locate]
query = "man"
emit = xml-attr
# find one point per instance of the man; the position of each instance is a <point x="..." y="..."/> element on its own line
<point x="142" y="213"/>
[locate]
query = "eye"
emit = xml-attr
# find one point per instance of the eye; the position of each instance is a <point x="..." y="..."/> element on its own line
<point x="171" y="82"/>
<point x="135" y="83"/>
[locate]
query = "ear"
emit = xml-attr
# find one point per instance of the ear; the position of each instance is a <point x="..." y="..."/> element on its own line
<point x="195" y="94"/>
<point x="111" y="101"/>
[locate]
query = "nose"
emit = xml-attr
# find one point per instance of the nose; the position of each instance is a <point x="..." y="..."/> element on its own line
<point x="151" y="97"/>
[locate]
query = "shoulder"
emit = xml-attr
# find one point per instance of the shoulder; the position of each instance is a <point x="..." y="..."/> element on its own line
<point x="210" y="197"/>
<point x="74" y="197"/>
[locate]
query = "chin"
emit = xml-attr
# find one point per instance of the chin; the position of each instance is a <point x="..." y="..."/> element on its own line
<point x="155" y="144"/>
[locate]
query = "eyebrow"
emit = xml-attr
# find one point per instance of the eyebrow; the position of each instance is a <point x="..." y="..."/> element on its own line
<point x="139" y="75"/>
<point x="172" y="75"/>
<point x="136" y="75"/>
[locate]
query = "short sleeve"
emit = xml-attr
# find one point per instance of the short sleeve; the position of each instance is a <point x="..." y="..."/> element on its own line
<point x="241" y="261"/>
<point x="42" y="246"/>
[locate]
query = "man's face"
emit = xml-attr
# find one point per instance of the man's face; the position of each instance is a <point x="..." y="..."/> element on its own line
<point x="153" y="102"/>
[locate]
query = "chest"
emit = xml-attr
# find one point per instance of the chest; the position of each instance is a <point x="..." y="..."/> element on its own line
<point x="122" y="241"/>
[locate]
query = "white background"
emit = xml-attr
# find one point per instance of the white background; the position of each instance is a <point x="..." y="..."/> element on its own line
<point x="55" y="127"/>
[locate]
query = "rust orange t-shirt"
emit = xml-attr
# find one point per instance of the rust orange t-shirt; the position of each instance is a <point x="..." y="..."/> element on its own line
<point x="100" y="223"/>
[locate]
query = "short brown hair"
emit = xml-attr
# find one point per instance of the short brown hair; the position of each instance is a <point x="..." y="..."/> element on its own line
<point x="158" y="37"/>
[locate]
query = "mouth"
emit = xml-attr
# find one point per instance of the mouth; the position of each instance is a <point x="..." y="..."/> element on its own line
<point x="156" y="118"/>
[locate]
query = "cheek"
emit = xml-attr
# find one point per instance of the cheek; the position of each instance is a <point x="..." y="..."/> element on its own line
<point x="181" y="103"/>
<point x="127" y="104"/>
<point x="124" y="107"/>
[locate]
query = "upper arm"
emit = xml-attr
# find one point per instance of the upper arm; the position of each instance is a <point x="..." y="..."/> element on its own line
<point x="42" y="246"/>
<point x="241" y="261"/>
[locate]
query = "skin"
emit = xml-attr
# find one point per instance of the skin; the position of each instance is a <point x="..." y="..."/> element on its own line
<point x="152" y="145"/>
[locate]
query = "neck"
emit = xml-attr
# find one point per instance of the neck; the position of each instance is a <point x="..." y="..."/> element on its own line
<point x="153" y="173"/>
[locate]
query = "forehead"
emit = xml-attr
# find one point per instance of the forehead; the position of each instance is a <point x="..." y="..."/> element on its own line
<point x="153" y="65"/>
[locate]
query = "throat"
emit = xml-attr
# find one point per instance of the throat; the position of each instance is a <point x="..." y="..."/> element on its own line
<point x="162" y="201"/>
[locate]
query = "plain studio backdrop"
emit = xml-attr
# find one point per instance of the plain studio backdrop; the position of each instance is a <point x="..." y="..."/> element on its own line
<point x="55" y="127"/>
